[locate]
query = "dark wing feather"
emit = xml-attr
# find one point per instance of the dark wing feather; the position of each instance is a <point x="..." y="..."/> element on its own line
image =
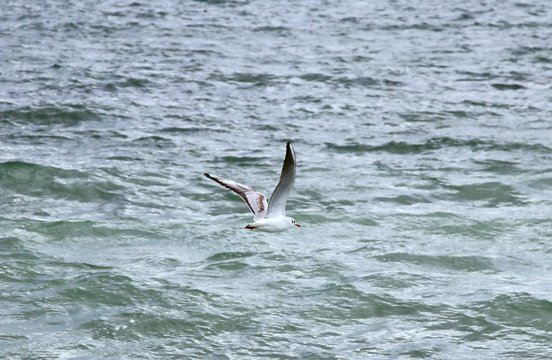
<point x="255" y="200"/>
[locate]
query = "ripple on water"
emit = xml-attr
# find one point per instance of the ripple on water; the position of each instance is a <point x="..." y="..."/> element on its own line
<point x="154" y="141"/>
<point x="15" y="267"/>
<point x="105" y="288"/>
<point x="500" y="166"/>
<point x="454" y="263"/>
<point x="518" y="310"/>
<point x="190" y="130"/>
<point x="87" y="230"/>
<point x="510" y="315"/>
<point x="127" y="83"/>
<point x="229" y="255"/>
<point x="228" y="261"/>
<point x="69" y="115"/>
<point x="345" y="301"/>
<point x="488" y="194"/>
<point x="44" y="181"/>
<point x="402" y="147"/>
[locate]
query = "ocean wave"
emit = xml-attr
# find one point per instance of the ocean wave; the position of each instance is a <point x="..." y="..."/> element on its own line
<point x="69" y="115"/>
<point x="31" y="179"/>
<point x="403" y="147"/>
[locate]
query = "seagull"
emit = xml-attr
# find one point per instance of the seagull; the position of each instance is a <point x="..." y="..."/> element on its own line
<point x="267" y="217"/>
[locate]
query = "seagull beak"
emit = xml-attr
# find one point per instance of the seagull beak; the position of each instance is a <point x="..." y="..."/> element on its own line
<point x="297" y="225"/>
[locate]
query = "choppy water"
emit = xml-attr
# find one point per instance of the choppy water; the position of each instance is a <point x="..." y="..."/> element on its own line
<point x="424" y="188"/>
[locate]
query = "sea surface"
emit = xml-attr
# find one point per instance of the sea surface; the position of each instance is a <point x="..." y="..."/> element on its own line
<point x="423" y="134"/>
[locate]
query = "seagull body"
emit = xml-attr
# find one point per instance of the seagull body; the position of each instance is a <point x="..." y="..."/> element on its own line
<point x="270" y="217"/>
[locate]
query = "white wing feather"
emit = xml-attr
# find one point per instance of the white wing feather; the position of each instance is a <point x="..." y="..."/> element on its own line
<point x="278" y="200"/>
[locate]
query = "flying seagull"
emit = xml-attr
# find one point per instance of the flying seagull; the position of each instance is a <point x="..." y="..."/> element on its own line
<point x="267" y="217"/>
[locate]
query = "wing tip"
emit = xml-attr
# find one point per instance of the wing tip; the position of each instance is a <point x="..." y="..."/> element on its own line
<point x="289" y="147"/>
<point x="290" y="151"/>
<point x="209" y="176"/>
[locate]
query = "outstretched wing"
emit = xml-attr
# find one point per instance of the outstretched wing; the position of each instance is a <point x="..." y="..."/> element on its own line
<point x="255" y="200"/>
<point x="277" y="205"/>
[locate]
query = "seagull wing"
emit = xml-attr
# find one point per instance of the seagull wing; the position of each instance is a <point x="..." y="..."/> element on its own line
<point x="255" y="200"/>
<point x="277" y="205"/>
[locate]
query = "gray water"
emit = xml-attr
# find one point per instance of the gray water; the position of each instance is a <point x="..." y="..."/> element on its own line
<point x="423" y="138"/>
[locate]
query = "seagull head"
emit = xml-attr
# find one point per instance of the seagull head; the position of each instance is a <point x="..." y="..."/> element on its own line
<point x="294" y="223"/>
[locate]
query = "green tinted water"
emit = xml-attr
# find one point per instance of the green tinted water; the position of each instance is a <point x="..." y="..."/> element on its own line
<point x="424" y="182"/>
